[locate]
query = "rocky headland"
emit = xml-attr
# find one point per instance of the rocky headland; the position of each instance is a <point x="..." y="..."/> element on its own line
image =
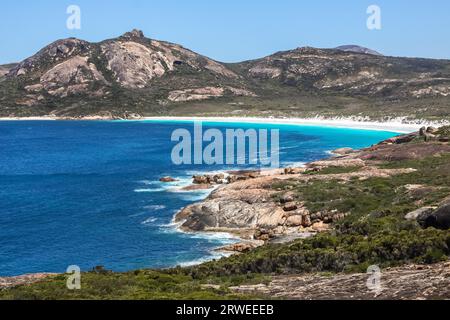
<point x="307" y="233"/>
<point x="255" y="205"/>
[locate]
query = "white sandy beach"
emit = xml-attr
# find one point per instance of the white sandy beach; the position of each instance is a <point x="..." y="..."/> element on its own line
<point x="399" y="125"/>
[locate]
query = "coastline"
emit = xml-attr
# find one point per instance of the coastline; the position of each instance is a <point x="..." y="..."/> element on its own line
<point x="397" y="125"/>
<point x="336" y="123"/>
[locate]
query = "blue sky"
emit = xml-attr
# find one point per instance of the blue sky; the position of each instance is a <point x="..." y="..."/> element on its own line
<point x="233" y="30"/>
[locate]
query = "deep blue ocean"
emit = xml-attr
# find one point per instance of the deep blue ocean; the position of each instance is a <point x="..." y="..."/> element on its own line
<point x="88" y="193"/>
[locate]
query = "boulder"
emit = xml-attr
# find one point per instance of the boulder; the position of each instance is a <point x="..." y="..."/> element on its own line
<point x="439" y="219"/>
<point x="287" y="197"/>
<point x="290" y="206"/>
<point x="288" y="171"/>
<point x="414" y="215"/>
<point x="200" y="180"/>
<point x="306" y="221"/>
<point x="400" y="139"/>
<point x="196" y="187"/>
<point x="343" y="151"/>
<point x="240" y="247"/>
<point x="320" y="226"/>
<point x="337" y="163"/>
<point x="218" y="178"/>
<point x="168" y="179"/>
<point x="233" y="179"/>
<point x="294" y="221"/>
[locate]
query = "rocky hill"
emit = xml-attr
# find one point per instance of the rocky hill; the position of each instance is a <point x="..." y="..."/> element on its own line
<point x="347" y="72"/>
<point x="132" y="76"/>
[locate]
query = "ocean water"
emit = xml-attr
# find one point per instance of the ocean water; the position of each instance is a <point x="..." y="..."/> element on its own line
<point x="88" y="193"/>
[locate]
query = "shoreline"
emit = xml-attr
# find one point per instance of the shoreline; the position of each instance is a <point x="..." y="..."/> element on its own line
<point x="398" y="125"/>
<point x="337" y="123"/>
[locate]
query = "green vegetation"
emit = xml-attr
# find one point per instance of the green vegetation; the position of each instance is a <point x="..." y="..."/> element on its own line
<point x="137" y="285"/>
<point x="374" y="231"/>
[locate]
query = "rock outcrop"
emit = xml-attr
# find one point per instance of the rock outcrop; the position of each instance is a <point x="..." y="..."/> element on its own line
<point x="195" y="94"/>
<point x="73" y="76"/>
<point x="439" y="219"/>
<point x="11" y="282"/>
<point x="410" y="282"/>
<point x="133" y="64"/>
<point x="168" y="179"/>
<point x="249" y="206"/>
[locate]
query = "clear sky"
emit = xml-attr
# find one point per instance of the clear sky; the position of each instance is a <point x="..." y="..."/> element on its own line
<point x="233" y="30"/>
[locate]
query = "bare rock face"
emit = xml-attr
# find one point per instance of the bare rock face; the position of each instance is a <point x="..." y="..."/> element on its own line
<point x="343" y="151"/>
<point x="358" y="49"/>
<point x="231" y="214"/>
<point x="133" y="64"/>
<point x="439" y="90"/>
<point x="177" y="55"/>
<point x="135" y="61"/>
<point x="54" y="53"/>
<point x="411" y="282"/>
<point x="338" y="163"/>
<point x="70" y="77"/>
<point x="262" y="71"/>
<point x="204" y="93"/>
<point x="11" y="282"/>
<point x="195" y="94"/>
<point x="133" y="35"/>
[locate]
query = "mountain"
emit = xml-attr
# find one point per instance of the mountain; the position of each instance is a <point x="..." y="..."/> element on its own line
<point x="358" y="49"/>
<point x="4" y="69"/>
<point x="133" y="76"/>
<point x="346" y="72"/>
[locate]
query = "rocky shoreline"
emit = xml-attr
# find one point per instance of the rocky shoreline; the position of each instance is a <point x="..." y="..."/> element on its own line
<point x="253" y="206"/>
<point x="263" y="207"/>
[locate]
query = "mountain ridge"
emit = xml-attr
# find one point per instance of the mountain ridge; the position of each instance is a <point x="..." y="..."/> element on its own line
<point x="132" y="74"/>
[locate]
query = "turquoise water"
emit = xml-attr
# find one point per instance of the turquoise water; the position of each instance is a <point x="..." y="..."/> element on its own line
<point x="88" y="193"/>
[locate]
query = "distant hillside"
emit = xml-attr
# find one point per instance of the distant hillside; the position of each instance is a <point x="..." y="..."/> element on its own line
<point x="358" y="49"/>
<point x="132" y="76"/>
<point x="4" y="69"/>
